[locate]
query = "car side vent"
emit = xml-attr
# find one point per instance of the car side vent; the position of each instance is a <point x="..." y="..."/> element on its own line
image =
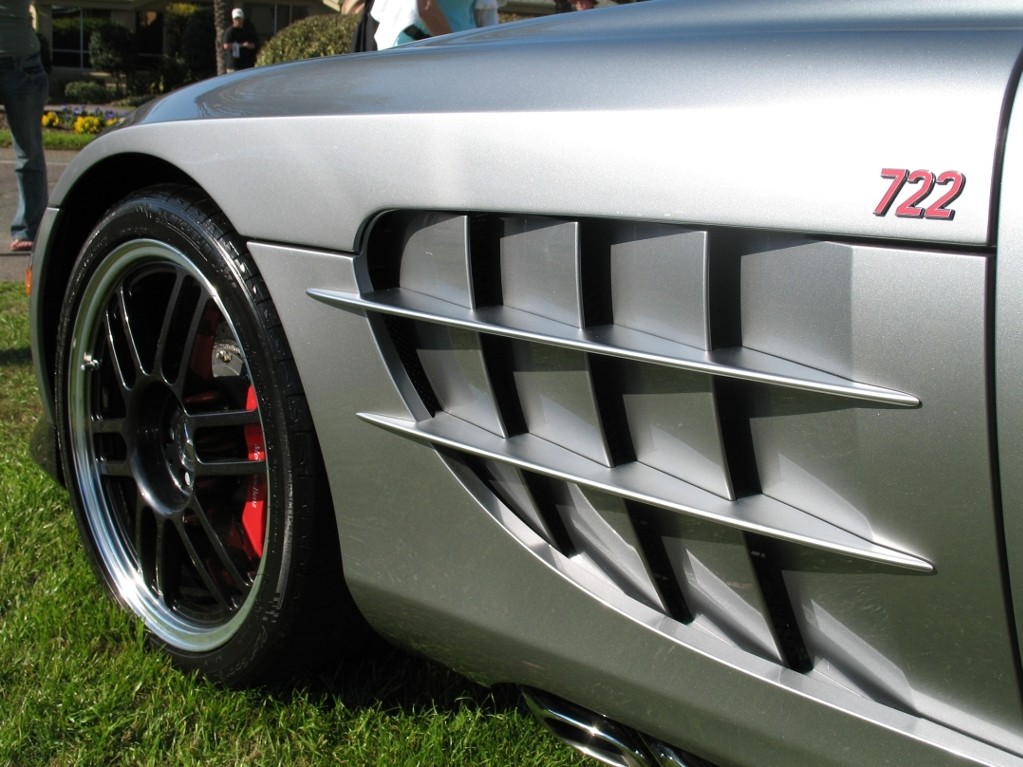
<point x="605" y="381"/>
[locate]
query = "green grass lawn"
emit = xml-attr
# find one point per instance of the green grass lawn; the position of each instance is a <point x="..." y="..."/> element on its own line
<point x="53" y="139"/>
<point x="78" y="685"/>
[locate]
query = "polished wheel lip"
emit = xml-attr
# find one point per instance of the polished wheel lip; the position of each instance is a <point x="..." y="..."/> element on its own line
<point x="118" y="559"/>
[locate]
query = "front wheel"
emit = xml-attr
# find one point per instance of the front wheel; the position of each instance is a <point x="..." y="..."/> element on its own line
<point x="189" y="450"/>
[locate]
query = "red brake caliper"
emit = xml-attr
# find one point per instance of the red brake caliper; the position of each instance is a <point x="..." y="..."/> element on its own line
<point x="254" y="511"/>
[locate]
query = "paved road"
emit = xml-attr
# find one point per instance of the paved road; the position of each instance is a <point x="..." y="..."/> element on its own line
<point x="13" y="265"/>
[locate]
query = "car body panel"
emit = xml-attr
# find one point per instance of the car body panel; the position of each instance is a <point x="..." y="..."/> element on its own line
<point x="734" y="155"/>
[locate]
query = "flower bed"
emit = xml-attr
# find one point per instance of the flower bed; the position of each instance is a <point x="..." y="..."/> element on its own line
<point x="79" y="120"/>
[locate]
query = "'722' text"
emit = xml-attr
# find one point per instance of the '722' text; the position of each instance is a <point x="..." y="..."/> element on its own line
<point x="922" y="184"/>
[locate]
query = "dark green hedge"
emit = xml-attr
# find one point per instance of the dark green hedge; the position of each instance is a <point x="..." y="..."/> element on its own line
<point x="324" y="35"/>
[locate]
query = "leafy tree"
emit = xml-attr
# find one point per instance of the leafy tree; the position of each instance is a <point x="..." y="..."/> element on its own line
<point x="175" y="22"/>
<point x="188" y="56"/>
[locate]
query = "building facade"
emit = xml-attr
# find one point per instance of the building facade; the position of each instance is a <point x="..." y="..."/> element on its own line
<point x="68" y="27"/>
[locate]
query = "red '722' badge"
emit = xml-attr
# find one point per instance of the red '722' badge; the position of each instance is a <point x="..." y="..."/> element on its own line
<point x="924" y="182"/>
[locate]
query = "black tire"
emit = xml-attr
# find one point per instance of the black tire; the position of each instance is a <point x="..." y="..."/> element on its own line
<point x="189" y="450"/>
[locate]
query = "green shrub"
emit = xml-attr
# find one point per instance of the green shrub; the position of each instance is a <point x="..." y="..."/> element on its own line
<point x="324" y="35"/>
<point x="86" y="92"/>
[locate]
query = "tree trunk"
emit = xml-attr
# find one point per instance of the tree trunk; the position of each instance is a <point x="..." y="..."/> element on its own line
<point x="221" y="21"/>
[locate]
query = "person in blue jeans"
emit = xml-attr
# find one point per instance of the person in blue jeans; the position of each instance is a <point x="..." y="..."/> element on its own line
<point x="24" y="88"/>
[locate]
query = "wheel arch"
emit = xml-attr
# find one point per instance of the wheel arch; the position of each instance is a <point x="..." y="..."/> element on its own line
<point x="91" y="196"/>
<point x="81" y="208"/>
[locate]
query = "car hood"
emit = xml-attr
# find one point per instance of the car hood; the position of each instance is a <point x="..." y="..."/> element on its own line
<point x="566" y="61"/>
<point x="781" y="116"/>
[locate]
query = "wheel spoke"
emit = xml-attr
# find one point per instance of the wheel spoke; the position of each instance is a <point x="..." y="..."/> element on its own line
<point x="229" y="468"/>
<point x="108" y="436"/>
<point x="148" y="543"/>
<point x="216" y="542"/>
<point x="216" y="435"/>
<point x="169" y="314"/>
<point x="113" y="467"/>
<point x="121" y="342"/>
<point x="198" y="358"/>
<point x="215" y="587"/>
<point x="220" y="418"/>
<point x="182" y="318"/>
<point x="107" y="426"/>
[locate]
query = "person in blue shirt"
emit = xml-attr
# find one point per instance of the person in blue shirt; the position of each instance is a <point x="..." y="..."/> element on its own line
<point x="402" y="21"/>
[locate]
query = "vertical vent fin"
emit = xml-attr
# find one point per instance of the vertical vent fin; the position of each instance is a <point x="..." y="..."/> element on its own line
<point x="736" y="435"/>
<point x="595" y="273"/>
<point x="485" y="259"/>
<point x="546" y="498"/>
<point x="385" y="247"/>
<point x="403" y="336"/>
<point x="656" y="555"/>
<point x="498" y="356"/>
<point x="766" y="560"/>
<point x="605" y="379"/>
<point x="724" y="292"/>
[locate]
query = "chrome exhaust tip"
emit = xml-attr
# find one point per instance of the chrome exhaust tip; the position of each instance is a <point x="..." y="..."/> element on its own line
<point x="601" y="738"/>
<point x="592" y="734"/>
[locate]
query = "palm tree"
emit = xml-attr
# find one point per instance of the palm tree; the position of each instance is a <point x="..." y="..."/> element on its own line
<point x="221" y="21"/>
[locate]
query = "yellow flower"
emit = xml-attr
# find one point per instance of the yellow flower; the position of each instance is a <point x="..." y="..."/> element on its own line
<point x="50" y="120"/>
<point x="88" y="124"/>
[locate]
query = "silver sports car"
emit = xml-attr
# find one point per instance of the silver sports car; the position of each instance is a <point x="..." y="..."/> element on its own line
<point x="663" y="360"/>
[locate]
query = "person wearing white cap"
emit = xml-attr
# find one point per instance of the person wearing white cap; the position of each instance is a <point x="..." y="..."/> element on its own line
<point x="241" y="42"/>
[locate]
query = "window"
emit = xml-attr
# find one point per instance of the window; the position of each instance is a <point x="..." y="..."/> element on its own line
<point x="72" y="27"/>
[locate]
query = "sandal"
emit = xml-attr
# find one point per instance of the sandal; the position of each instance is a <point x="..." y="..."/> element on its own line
<point x="20" y="246"/>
